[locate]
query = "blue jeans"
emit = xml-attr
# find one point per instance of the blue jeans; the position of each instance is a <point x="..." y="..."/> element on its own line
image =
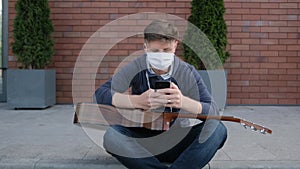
<point x="140" y="148"/>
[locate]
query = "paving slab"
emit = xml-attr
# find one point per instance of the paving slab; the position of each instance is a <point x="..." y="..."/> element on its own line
<point x="47" y="139"/>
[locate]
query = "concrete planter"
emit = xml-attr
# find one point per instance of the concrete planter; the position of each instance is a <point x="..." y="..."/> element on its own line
<point x="31" y="88"/>
<point x="216" y="82"/>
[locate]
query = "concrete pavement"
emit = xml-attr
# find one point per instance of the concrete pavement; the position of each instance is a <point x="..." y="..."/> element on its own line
<point x="47" y="139"/>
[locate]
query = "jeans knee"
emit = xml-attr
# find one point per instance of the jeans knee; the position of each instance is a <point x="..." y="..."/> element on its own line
<point x="222" y="133"/>
<point x="108" y="138"/>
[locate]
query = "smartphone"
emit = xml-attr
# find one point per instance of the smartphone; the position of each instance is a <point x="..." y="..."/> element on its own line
<point x="162" y="84"/>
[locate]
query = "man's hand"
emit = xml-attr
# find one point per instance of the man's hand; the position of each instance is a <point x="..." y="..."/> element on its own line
<point x="149" y="100"/>
<point x="172" y="97"/>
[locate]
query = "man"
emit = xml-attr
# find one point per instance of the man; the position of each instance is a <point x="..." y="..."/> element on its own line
<point x="185" y="145"/>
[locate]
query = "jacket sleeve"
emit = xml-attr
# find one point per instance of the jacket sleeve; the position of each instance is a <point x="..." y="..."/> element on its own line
<point x="209" y="106"/>
<point x="103" y="94"/>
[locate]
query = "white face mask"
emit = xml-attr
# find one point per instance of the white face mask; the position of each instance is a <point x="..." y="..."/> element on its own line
<point x="160" y="60"/>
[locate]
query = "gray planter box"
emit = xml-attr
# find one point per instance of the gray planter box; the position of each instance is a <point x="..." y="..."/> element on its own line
<point x="31" y="88"/>
<point x="216" y="82"/>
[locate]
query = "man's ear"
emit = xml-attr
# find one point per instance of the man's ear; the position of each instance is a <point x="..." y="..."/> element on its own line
<point x="176" y="44"/>
<point x="145" y="46"/>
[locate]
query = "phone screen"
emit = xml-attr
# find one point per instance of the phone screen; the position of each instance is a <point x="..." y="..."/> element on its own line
<point x="162" y="84"/>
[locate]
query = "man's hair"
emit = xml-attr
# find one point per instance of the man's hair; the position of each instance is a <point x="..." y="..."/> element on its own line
<point x="160" y="30"/>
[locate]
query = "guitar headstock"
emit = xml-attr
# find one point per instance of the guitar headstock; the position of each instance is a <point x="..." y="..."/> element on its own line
<point x="255" y="127"/>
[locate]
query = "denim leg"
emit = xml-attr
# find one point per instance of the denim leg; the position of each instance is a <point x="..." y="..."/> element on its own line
<point x="202" y="150"/>
<point x="121" y="142"/>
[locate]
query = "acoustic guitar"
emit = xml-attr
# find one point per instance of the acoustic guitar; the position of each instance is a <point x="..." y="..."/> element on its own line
<point x="93" y="115"/>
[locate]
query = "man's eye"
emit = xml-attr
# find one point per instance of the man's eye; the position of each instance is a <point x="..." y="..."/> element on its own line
<point x="154" y="50"/>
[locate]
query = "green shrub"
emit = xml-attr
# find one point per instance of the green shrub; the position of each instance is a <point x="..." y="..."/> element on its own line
<point x="208" y="16"/>
<point x="33" y="44"/>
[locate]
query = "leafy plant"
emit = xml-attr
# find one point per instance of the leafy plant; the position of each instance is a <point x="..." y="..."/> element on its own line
<point x="208" y="16"/>
<point x="33" y="44"/>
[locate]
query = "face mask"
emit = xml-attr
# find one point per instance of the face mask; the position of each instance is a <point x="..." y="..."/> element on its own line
<point x="160" y="60"/>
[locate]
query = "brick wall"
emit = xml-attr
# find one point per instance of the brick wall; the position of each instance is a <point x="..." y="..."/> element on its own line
<point x="263" y="36"/>
<point x="264" y="43"/>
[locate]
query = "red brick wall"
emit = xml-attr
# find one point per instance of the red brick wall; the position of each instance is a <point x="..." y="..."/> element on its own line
<point x="264" y="43"/>
<point x="263" y="37"/>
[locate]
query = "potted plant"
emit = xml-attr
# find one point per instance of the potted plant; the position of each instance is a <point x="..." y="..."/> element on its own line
<point x="208" y="50"/>
<point x="32" y="86"/>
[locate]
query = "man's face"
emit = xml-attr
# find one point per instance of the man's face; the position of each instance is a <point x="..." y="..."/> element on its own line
<point x="160" y="46"/>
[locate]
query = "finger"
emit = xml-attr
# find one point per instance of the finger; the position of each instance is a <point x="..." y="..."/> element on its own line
<point x="159" y="100"/>
<point x="173" y="86"/>
<point x="167" y="91"/>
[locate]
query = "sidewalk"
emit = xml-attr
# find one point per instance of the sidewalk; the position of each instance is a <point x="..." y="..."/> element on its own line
<point x="47" y="139"/>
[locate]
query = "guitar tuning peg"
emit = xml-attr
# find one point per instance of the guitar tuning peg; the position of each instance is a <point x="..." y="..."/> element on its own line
<point x="263" y="131"/>
<point x="244" y="125"/>
<point x="253" y="128"/>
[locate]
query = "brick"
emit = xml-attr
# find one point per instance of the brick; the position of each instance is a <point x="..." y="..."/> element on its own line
<point x="277" y="48"/>
<point x="239" y="47"/>
<point x="293" y="48"/>
<point x="258" y="95"/>
<point x="259" y="11"/>
<point x="293" y="71"/>
<point x="277" y="83"/>
<point x="63" y="4"/>
<point x="288" y="5"/>
<point x="270" y="29"/>
<point x="269" y="17"/>
<point x="241" y="35"/>
<point x="232" y="17"/>
<point x="239" y="59"/>
<point x="240" y="83"/>
<point x="234" y="89"/>
<point x="250" y="41"/>
<point x="258" y="71"/>
<point x="277" y="71"/>
<point x="240" y="11"/>
<point x="268" y="101"/>
<point x="259" y="35"/>
<point x="240" y="95"/>
<point x="293" y="23"/>
<point x="258" y="47"/>
<point x="269" y="5"/>
<point x="232" y="101"/>
<point x="230" y="5"/>
<point x="251" y="89"/>
<point x="269" y="53"/>
<point x="269" y="41"/>
<point x="278" y="11"/>
<point x="250" y="101"/>
<point x="268" y="65"/>
<point x="277" y="59"/>
<point x="250" y="65"/>
<point x="269" y="89"/>
<point x="287" y="101"/>
<point x="259" y="83"/>
<point x="251" y="53"/>
<point x="251" y="17"/>
<point x="277" y="95"/>
<point x="240" y="71"/>
<point x="288" y="89"/>
<point x="288" y="29"/>
<point x="289" y="54"/>
<point x="288" y="65"/>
